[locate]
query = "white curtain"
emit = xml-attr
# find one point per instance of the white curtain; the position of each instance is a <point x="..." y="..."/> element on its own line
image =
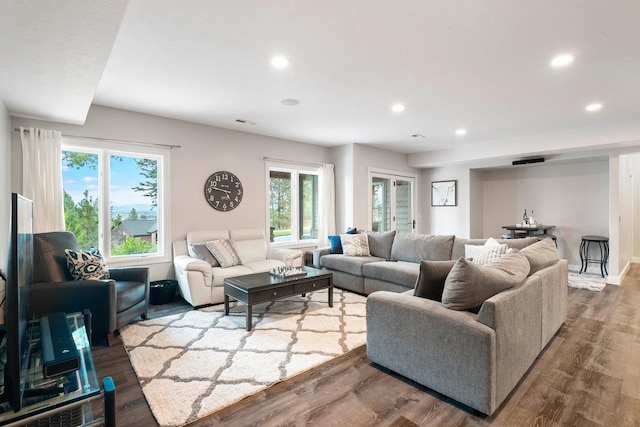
<point x="327" y="202"/>
<point x="42" y="177"/>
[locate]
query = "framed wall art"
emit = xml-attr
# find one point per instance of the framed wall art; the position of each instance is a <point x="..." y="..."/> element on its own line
<point x="443" y="193"/>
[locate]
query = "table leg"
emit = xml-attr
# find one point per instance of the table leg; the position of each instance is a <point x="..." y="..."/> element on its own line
<point x="226" y="305"/>
<point x="513" y="234"/>
<point x="249" y="317"/>
<point x="331" y="296"/>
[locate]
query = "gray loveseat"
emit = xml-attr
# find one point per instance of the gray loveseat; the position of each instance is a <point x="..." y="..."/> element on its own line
<point x="367" y="274"/>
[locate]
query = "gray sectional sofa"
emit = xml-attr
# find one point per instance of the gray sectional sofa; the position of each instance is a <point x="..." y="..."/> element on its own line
<point x="395" y="258"/>
<point x="476" y="357"/>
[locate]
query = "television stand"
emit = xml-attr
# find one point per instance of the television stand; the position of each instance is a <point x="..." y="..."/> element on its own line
<point x="64" y="399"/>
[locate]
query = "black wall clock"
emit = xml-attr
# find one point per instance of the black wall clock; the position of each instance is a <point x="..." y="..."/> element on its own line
<point x="223" y="191"/>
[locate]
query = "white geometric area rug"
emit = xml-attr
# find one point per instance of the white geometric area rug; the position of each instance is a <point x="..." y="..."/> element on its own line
<point x="193" y="364"/>
<point x="589" y="281"/>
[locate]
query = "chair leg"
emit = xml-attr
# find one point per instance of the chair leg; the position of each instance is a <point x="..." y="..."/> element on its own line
<point x="112" y="339"/>
<point x="144" y="316"/>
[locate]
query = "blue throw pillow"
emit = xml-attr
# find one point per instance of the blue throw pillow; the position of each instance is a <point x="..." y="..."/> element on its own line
<point x="352" y="230"/>
<point x="336" y="244"/>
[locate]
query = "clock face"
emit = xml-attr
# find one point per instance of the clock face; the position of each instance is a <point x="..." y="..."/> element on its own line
<point x="223" y="191"/>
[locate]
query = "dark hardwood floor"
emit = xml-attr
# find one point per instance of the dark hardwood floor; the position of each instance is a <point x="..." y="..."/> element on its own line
<point x="589" y="375"/>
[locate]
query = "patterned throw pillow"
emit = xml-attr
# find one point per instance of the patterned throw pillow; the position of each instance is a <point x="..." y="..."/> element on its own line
<point x="86" y="265"/>
<point x="223" y="252"/>
<point x="482" y="255"/>
<point x="355" y="244"/>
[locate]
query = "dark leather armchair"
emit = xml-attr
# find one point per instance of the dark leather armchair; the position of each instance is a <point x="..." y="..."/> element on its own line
<point x="113" y="302"/>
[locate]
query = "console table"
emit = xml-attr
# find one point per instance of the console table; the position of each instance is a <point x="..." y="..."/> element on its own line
<point x="71" y="407"/>
<point x="528" y="230"/>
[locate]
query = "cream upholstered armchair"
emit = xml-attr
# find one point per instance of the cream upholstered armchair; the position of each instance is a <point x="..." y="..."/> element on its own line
<point x="113" y="302"/>
<point x="201" y="277"/>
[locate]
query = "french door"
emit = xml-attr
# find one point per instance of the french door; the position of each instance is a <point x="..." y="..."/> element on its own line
<point x="392" y="202"/>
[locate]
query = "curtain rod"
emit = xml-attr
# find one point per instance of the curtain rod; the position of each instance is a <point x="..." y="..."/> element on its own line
<point x="154" y="144"/>
<point x="271" y="159"/>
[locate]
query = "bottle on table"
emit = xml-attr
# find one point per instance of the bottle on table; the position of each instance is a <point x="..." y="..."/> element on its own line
<point x="525" y="218"/>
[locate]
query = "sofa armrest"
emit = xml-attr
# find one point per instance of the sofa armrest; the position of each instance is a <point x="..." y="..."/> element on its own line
<point x="319" y="252"/>
<point x="446" y="350"/>
<point x="291" y="257"/>
<point x="188" y="266"/>
<point x="516" y="317"/>
<point x="98" y="296"/>
<point x="130" y="274"/>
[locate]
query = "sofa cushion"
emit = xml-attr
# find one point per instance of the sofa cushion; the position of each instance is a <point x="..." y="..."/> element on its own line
<point x="468" y="284"/>
<point x="86" y="265"/>
<point x="348" y="264"/>
<point x="541" y="254"/>
<point x="400" y="272"/>
<point x="200" y="251"/>
<point x="355" y="244"/>
<point x="335" y="244"/>
<point x="223" y="252"/>
<point x="459" y="243"/>
<point x="417" y="247"/>
<point x="433" y="275"/>
<point x="486" y="253"/>
<point x="380" y="243"/>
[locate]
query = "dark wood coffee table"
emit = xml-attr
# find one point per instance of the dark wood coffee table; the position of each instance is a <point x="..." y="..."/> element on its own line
<point x="264" y="287"/>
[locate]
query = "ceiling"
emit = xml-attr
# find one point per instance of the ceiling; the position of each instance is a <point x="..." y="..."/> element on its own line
<point x="481" y="66"/>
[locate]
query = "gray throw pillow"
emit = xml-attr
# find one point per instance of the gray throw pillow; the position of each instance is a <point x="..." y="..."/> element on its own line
<point x="468" y="285"/>
<point x="433" y="275"/>
<point x="541" y="254"/>
<point x="380" y="243"/>
<point x="200" y="251"/>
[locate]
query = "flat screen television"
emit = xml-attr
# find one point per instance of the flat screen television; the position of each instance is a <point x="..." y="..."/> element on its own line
<point x="17" y="312"/>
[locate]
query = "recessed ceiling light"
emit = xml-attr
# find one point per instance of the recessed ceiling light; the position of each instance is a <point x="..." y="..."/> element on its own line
<point x="398" y="108"/>
<point x="280" y="62"/>
<point x="461" y="132"/>
<point x="562" y="60"/>
<point x="593" y="107"/>
<point x="290" y="102"/>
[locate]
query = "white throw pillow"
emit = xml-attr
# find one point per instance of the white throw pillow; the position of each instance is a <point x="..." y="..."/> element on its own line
<point x="486" y="253"/>
<point x="355" y="244"/>
<point x="223" y="252"/>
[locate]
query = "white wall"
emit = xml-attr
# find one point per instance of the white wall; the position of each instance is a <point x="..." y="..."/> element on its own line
<point x="447" y="219"/>
<point x="5" y="193"/>
<point x="572" y="196"/>
<point x="204" y="151"/>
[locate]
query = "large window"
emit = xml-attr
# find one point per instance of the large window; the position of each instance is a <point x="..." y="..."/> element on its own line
<point x="114" y="199"/>
<point x="293" y="204"/>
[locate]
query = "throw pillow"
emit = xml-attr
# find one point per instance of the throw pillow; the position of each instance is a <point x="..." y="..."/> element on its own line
<point x="486" y="253"/>
<point x="433" y="275"/>
<point x="336" y="245"/>
<point x="541" y="254"/>
<point x="352" y="230"/>
<point x="86" y="265"/>
<point x="355" y="244"/>
<point x="223" y="252"/>
<point x="200" y="251"/>
<point x="380" y="243"/>
<point x="468" y="284"/>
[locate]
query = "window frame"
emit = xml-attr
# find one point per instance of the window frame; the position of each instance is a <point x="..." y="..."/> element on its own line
<point x="105" y="149"/>
<point x="295" y="169"/>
